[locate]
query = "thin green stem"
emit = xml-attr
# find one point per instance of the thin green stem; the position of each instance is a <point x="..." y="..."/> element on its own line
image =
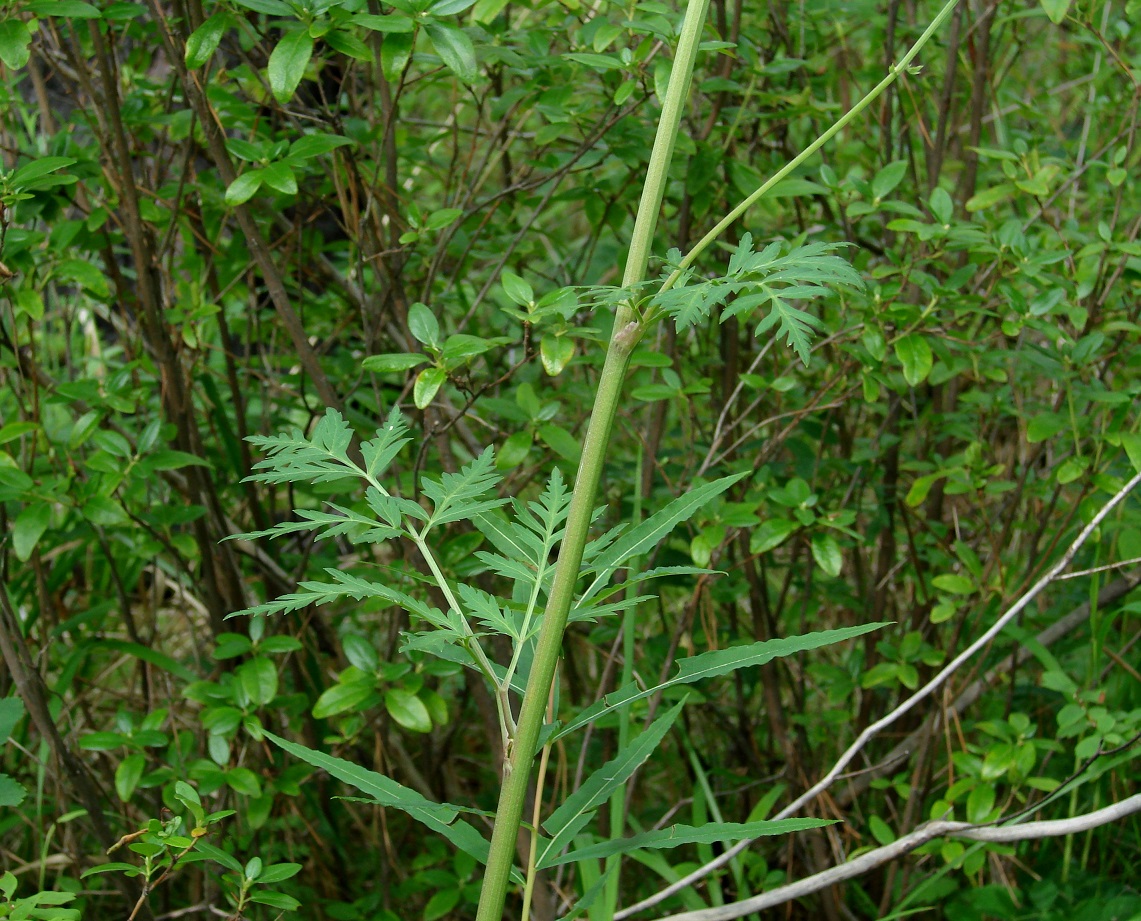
<point x="841" y="123"/>
<point x="627" y="331"/>
<point x="525" y="629"/>
<point x="536" y="818"/>
<point x="649" y="207"/>
<point x="503" y="704"/>
<point x="613" y="863"/>
<point x="532" y="602"/>
<point x="626" y="334"/>
<point x="506" y="721"/>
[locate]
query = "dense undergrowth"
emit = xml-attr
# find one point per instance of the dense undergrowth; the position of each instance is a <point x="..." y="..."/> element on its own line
<point x="222" y="219"/>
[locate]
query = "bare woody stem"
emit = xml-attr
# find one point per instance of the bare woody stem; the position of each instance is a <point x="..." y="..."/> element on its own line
<point x="981" y="642"/>
<point x="869" y="860"/>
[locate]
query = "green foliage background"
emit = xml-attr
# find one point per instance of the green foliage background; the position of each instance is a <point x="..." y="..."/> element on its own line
<point x="221" y="218"/>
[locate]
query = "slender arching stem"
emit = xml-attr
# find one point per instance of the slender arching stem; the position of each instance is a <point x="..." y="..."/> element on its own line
<point x="839" y="125"/>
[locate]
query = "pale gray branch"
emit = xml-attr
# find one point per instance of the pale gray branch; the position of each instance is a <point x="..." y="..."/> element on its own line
<point x="906" y="706"/>
<point x="1114" y="591"/>
<point x="1105" y="568"/>
<point x="869" y="860"/>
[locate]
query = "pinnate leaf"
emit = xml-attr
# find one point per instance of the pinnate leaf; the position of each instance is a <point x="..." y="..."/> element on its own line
<point x="755" y="279"/>
<point x="458" y="496"/>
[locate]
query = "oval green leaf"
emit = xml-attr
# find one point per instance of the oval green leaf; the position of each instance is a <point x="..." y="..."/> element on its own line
<point x="826" y="552"/>
<point x="915" y="355"/>
<point x="1056" y="10"/>
<point x="203" y="41"/>
<point x="1044" y="426"/>
<point x="244" y="188"/>
<point x="562" y="442"/>
<point x="516" y="288"/>
<point x="771" y="534"/>
<point x="423" y="325"/>
<point x="65" y="9"/>
<point x="556" y="352"/>
<point x="514" y="450"/>
<point x="342" y="698"/>
<point x="394" y="55"/>
<point x="888" y="178"/>
<point x="919" y="490"/>
<point x="392" y="362"/>
<point x="360" y="652"/>
<point x="454" y="48"/>
<point x="28" y="528"/>
<point x="14" y="41"/>
<point x="279" y="176"/>
<point x="258" y="678"/>
<point x="408" y="710"/>
<point x="314" y="145"/>
<point x="953" y="584"/>
<point x="128" y="774"/>
<point x="287" y="64"/>
<point x="428" y="383"/>
<point x="243" y="780"/>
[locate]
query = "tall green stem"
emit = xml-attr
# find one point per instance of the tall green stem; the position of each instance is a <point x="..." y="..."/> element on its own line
<point x="676" y="94"/>
<point x="613" y="863"/>
<point x="626" y="333"/>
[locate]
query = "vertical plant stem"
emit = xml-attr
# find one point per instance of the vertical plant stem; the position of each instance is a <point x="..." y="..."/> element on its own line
<point x="660" y="157"/>
<point x="537" y="817"/>
<point x="624" y="337"/>
<point x="618" y="797"/>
